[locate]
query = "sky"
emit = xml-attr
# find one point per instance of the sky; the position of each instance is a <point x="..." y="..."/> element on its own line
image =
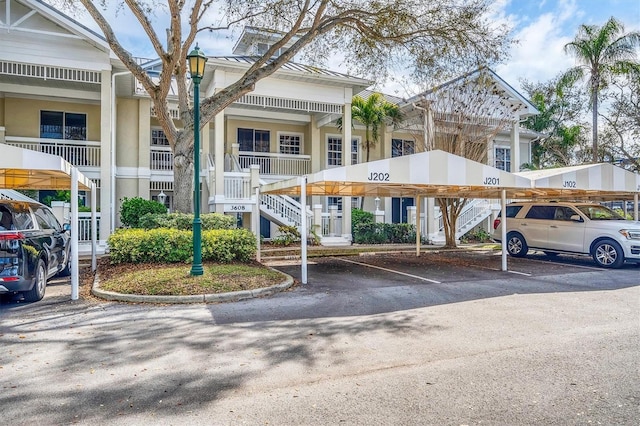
<point x="541" y="27"/>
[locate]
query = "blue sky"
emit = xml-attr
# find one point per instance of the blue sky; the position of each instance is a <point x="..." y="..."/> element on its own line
<point x="542" y="27"/>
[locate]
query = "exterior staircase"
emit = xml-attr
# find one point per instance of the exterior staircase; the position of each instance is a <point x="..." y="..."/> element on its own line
<point x="474" y="213"/>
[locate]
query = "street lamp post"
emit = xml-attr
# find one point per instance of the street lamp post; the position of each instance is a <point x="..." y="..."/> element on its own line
<point x="197" y="61"/>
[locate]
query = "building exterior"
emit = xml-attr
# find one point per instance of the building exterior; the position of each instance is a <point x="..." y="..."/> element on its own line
<point x="62" y="91"/>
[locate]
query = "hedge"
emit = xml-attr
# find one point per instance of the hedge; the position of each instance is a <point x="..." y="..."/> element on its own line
<point x="173" y="245"/>
<point x="382" y="233"/>
<point x="185" y="221"/>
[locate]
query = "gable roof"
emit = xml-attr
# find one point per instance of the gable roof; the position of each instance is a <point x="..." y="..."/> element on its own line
<point x="59" y="18"/>
<point x="501" y="87"/>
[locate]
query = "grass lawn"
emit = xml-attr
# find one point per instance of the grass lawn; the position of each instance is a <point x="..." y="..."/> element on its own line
<point x="175" y="279"/>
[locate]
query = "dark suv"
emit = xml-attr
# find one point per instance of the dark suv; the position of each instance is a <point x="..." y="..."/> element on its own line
<point x="33" y="248"/>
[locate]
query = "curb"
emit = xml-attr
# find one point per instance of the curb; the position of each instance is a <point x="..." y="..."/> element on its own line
<point x="233" y="296"/>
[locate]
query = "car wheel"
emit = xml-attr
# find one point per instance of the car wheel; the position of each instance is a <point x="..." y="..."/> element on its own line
<point x="37" y="292"/>
<point x="608" y="254"/>
<point x="516" y="245"/>
<point x="67" y="268"/>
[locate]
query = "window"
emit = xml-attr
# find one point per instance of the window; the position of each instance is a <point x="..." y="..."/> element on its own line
<point x="335" y="201"/>
<point x="158" y="138"/>
<point x="290" y="143"/>
<point x="63" y="125"/>
<point x="254" y="140"/>
<point x="503" y="159"/>
<point x="400" y="147"/>
<point x="334" y="150"/>
<point x="541" y="212"/>
<point x="355" y="146"/>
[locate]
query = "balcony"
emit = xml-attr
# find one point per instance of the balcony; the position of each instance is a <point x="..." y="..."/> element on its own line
<point x="78" y="153"/>
<point x="276" y="164"/>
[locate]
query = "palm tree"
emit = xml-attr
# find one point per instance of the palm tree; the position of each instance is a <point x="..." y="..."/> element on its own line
<point x="374" y="113"/>
<point x="602" y="52"/>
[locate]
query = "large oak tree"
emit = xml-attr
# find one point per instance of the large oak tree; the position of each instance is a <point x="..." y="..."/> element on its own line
<point x="417" y="36"/>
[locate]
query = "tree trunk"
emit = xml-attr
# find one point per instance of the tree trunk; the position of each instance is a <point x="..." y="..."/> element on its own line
<point x="594" y="129"/>
<point x="183" y="175"/>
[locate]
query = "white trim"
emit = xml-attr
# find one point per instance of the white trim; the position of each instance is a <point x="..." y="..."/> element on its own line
<point x="133" y="173"/>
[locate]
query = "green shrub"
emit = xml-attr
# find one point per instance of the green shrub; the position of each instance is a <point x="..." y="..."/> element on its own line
<point x="173" y="245"/>
<point x="360" y="216"/>
<point x="384" y="233"/>
<point x="185" y="221"/>
<point x="288" y="235"/>
<point x="476" y="235"/>
<point x="133" y="209"/>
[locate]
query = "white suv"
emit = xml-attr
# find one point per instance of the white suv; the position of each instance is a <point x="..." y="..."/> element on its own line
<point x="563" y="227"/>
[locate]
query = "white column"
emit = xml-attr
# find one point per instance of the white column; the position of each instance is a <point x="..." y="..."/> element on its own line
<point x="75" y="273"/>
<point x="418" y="201"/>
<point x="515" y="146"/>
<point x="303" y="228"/>
<point x="317" y="219"/>
<point x="219" y="162"/>
<point x="346" y="160"/>
<point x="106" y="194"/>
<point x="503" y="215"/>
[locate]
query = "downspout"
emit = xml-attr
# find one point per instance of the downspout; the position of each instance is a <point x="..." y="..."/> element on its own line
<point x="113" y="148"/>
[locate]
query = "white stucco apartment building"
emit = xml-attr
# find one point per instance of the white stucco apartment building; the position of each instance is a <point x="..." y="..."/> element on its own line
<point x="63" y="92"/>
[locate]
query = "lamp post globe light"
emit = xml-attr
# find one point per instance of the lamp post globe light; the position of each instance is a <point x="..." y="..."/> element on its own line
<point x="197" y="61"/>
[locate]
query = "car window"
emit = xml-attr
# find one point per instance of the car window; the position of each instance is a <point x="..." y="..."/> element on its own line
<point x="20" y="216"/>
<point x="512" y="211"/>
<point x="41" y="218"/>
<point x="541" y="212"/>
<point x="564" y="213"/>
<point x="598" y="212"/>
<point x="51" y="219"/>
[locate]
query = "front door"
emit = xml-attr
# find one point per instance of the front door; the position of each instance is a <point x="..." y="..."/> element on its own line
<point x="399" y="209"/>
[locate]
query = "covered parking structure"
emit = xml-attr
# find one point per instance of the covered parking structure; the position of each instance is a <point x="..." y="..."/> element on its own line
<point x="443" y="175"/>
<point x="26" y="169"/>
<point x="595" y="182"/>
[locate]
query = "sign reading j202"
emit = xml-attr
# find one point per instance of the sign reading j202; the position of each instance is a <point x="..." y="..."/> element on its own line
<point x="378" y="177"/>
<point x="569" y="184"/>
<point x="493" y="181"/>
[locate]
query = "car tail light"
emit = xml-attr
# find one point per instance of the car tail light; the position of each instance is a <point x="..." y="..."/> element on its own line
<point x="11" y="236"/>
<point x="496" y="223"/>
<point x="8" y="279"/>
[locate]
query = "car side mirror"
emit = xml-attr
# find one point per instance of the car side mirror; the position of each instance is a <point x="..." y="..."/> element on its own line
<point x="575" y="218"/>
<point x="66" y="227"/>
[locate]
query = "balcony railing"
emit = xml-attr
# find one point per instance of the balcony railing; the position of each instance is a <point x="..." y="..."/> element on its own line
<point x="161" y="159"/>
<point x="237" y="186"/>
<point x="277" y="164"/>
<point x="78" y="153"/>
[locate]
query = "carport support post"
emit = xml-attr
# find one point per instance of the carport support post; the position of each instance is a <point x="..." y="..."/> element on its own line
<point x="303" y="227"/>
<point x="418" y="201"/>
<point x="256" y="221"/>
<point x="503" y="215"/>
<point x="94" y="227"/>
<point x="75" y="285"/>
<point x="635" y="206"/>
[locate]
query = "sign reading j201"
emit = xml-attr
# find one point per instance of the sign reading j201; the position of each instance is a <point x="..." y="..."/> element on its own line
<point x="378" y="177"/>
<point x="491" y="181"/>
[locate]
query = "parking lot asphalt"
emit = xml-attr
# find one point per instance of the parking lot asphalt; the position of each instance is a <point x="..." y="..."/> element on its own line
<point x="446" y="338"/>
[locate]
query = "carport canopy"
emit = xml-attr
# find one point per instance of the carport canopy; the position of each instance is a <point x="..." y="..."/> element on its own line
<point x="432" y="174"/>
<point x="427" y="174"/>
<point x="27" y="169"/>
<point x="598" y="182"/>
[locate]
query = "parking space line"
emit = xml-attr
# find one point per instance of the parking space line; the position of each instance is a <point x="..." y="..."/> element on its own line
<point x="390" y="270"/>
<point x="568" y="265"/>
<point x="519" y="273"/>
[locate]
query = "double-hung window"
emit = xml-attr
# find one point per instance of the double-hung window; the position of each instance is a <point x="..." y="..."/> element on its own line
<point x="158" y="138"/>
<point x="63" y="125"/>
<point x="503" y="159"/>
<point x="334" y="150"/>
<point x="290" y="143"/>
<point x="400" y="147"/>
